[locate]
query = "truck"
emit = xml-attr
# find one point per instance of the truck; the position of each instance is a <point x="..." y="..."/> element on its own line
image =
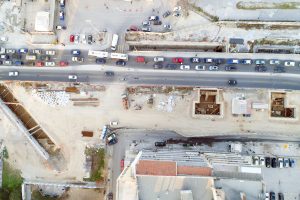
<point x="119" y="56"/>
<point x="30" y="57"/>
<point x="114" y="42"/>
<point x="98" y="54"/>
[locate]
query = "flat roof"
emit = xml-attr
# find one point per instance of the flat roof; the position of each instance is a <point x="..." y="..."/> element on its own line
<point x="154" y="167"/>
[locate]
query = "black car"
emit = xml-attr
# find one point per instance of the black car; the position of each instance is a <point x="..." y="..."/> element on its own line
<point x="261" y="68"/>
<point x="100" y="61"/>
<point x="219" y="61"/>
<point x="16" y="56"/>
<point x="280" y="196"/>
<point x="157" y="23"/>
<point x="166" y="14"/>
<point x="230" y="68"/>
<point x="274" y="162"/>
<point x="160" y="144"/>
<point x="268" y="162"/>
<point x="90" y="39"/>
<point x="232" y="82"/>
<point x="1" y="63"/>
<point x="195" y="60"/>
<point x="272" y="195"/>
<point x="158" y="65"/>
<point x="279" y="69"/>
<point x="171" y="66"/>
<point x="109" y="73"/>
<point x="121" y="62"/>
<point x="110" y="196"/>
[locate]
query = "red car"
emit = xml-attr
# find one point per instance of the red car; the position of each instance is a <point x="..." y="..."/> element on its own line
<point x="122" y="164"/>
<point x="177" y="60"/>
<point x="39" y="64"/>
<point x="63" y="63"/>
<point x="72" y="38"/>
<point x="133" y="28"/>
<point x="140" y="59"/>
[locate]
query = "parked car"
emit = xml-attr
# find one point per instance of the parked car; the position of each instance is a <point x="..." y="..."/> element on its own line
<point x="285" y="162"/>
<point x="13" y="73"/>
<point x="280" y="162"/>
<point x="122" y="164"/>
<point x="146" y="29"/>
<point x="61" y="15"/>
<point x="177" y="60"/>
<point x="160" y="144"/>
<point x="72" y="77"/>
<point x="45" y="57"/>
<point x="100" y="60"/>
<point x="50" y="52"/>
<point x="75" y="52"/>
<point x="49" y="64"/>
<point x="39" y="64"/>
<point x="7" y="62"/>
<point x="133" y="28"/>
<point x="195" y="60"/>
<point x="110" y="196"/>
<point x="268" y="162"/>
<point x="262" y="161"/>
<point x="274" y="62"/>
<point x="83" y="38"/>
<point x="230" y="68"/>
<point x="171" y="66"/>
<point x="267" y="196"/>
<point x="90" y="39"/>
<point x="158" y="59"/>
<point x="76" y="38"/>
<point x="158" y="65"/>
<point x="72" y="37"/>
<point x="10" y="51"/>
<point x="59" y="27"/>
<point x="166" y="14"/>
<point x="3" y="39"/>
<point x="280" y="196"/>
<point x="219" y="61"/>
<point x="23" y="50"/>
<point x="153" y="18"/>
<point x="232" y="61"/>
<point x="260" y="62"/>
<point x="77" y="59"/>
<point x="273" y="162"/>
<point x="213" y="68"/>
<point x="112" y="139"/>
<point x="208" y="60"/>
<point x="63" y="63"/>
<point x="36" y="51"/>
<point x="157" y="23"/>
<point x="121" y="62"/>
<point x="167" y="27"/>
<point x="146" y="23"/>
<point x="109" y="73"/>
<point x="289" y="63"/>
<point x="4" y="57"/>
<point x="260" y="68"/>
<point x="113" y="123"/>
<point x="185" y="67"/>
<point x="200" y="67"/>
<point x="140" y="59"/>
<point x="232" y="82"/>
<point x="255" y="160"/>
<point x="246" y="61"/>
<point x="279" y="69"/>
<point x="292" y="162"/>
<point x="272" y="195"/>
<point x="18" y="63"/>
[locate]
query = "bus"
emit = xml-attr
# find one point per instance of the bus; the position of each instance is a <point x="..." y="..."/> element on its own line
<point x="99" y="54"/>
<point x="114" y="42"/>
<point x="119" y="56"/>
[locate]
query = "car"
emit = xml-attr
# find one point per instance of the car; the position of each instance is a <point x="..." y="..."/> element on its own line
<point x="140" y="59"/>
<point x="50" y="52"/>
<point x="279" y="69"/>
<point x="232" y="82"/>
<point x="133" y="28"/>
<point x="246" y="61"/>
<point x="153" y="18"/>
<point x="1" y="62"/>
<point x="13" y="73"/>
<point x="208" y="60"/>
<point x="39" y="64"/>
<point x="273" y="162"/>
<point x="157" y="23"/>
<point x="286" y="162"/>
<point x="18" y="63"/>
<point x="158" y="59"/>
<point x="232" y="61"/>
<point x="112" y="139"/>
<point x="59" y="27"/>
<point x="122" y="164"/>
<point x="292" y="162"/>
<point x="167" y="27"/>
<point x="289" y="63"/>
<point x="113" y="123"/>
<point x="90" y="39"/>
<point x="72" y="77"/>
<point x="185" y="67"/>
<point x="195" y="60"/>
<point x="7" y="62"/>
<point x="23" y="50"/>
<point x="36" y="51"/>
<point x="200" y="67"/>
<point x="177" y="60"/>
<point x="45" y="57"/>
<point x="3" y="39"/>
<point x="110" y="196"/>
<point x="255" y="160"/>
<point x="100" y="60"/>
<point x="280" y="196"/>
<point x="268" y="162"/>
<point x="121" y="62"/>
<point x="166" y="14"/>
<point x="61" y="15"/>
<point x="4" y="57"/>
<point x="75" y="52"/>
<point x="274" y="62"/>
<point x="77" y="59"/>
<point x="76" y="38"/>
<point x="63" y="63"/>
<point x="83" y="39"/>
<point x="219" y="61"/>
<point x="72" y="37"/>
<point x="230" y="68"/>
<point x="16" y="56"/>
<point x="146" y="23"/>
<point x="262" y="161"/>
<point x="10" y="51"/>
<point x="260" y="62"/>
<point x="272" y="195"/>
<point x="171" y="66"/>
<point x="146" y="29"/>
<point x="49" y="64"/>
<point x="267" y="196"/>
<point x="158" y="65"/>
<point x="109" y="73"/>
<point x="62" y="3"/>
<point x="261" y="68"/>
<point x="213" y="68"/>
<point x="160" y="144"/>
<point x="280" y="162"/>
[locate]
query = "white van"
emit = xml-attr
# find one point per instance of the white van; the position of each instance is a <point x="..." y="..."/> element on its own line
<point x="114" y="42"/>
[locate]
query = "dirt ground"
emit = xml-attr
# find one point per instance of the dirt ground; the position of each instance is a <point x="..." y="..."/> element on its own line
<point x="174" y="112"/>
<point x="79" y="194"/>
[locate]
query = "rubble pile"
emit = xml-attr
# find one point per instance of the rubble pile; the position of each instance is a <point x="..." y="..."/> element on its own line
<point x="53" y="98"/>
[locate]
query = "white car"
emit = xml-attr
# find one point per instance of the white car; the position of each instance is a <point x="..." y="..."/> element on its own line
<point x="158" y="59"/>
<point x="260" y="62"/>
<point x="83" y="39"/>
<point x="49" y="64"/>
<point x="50" y="52"/>
<point x="7" y="62"/>
<point x="10" y="51"/>
<point x="72" y="77"/>
<point x="267" y="196"/>
<point x="77" y="59"/>
<point x="37" y="51"/>
<point x="76" y="38"/>
<point x="213" y="68"/>
<point x="114" y="123"/>
<point x="280" y="162"/>
<point x="289" y="63"/>
<point x="13" y="73"/>
<point x="208" y="60"/>
<point x="3" y="39"/>
<point x="185" y="67"/>
<point x="200" y="67"/>
<point x="262" y="161"/>
<point x="274" y="62"/>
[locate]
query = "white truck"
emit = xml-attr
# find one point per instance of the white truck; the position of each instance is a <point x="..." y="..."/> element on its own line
<point x="119" y="56"/>
<point x="114" y="42"/>
<point x="98" y="54"/>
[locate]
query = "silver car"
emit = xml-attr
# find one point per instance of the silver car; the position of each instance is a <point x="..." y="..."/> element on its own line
<point x="213" y="68"/>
